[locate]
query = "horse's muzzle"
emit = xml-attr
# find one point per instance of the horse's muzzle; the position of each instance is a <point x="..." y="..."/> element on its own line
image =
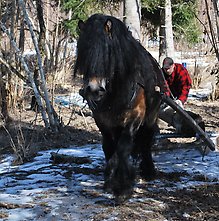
<point x="94" y="94"/>
<point x="95" y="89"/>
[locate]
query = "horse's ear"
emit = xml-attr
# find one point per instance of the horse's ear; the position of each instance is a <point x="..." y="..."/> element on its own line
<point x="108" y="27"/>
<point x="81" y="25"/>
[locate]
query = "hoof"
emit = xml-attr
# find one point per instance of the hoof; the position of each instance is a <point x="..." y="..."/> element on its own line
<point x="147" y="171"/>
<point x="120" y="199"/>
<point x="148" y="175"/>
<point x="107" y="188"/>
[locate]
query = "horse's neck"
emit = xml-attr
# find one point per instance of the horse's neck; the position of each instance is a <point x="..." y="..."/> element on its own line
<point x="123" y="96"/>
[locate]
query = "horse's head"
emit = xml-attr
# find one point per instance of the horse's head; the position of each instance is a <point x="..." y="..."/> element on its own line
<point x="100" y="56"/>
<point x="94" y="59"/>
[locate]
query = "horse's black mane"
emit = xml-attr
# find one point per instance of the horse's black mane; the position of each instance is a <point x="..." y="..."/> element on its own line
<point x="119" y="54"/>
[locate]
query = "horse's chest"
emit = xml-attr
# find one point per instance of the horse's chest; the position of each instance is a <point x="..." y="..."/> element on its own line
<point x="107" y="119"/>
<point x="132" y="115"/>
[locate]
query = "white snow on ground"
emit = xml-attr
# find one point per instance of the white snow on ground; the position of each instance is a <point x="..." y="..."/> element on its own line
<point x="201" y="93"/>
<point x="40" y="185"/>
<point x="76" y="99"/>
<point x="72" y="99"/>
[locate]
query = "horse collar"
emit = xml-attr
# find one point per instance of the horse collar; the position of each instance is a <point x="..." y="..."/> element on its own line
<point x="135" y="89"/>
<point x="133" y="95"/>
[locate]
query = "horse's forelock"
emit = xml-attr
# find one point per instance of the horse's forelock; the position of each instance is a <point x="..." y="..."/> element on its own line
<point x="99" y="51"/>
<point x="93" y="49"/>
<point x="109" y="51"/>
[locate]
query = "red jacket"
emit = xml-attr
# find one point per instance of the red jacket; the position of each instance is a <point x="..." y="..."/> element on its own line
<point x="179" y="83"/>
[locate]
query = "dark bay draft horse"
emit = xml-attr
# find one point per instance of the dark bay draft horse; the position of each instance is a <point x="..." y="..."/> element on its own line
<point x="120" y="84"/>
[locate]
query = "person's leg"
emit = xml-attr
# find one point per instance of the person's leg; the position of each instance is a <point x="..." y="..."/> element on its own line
<point x="174" y="119"/>
<point x="177" y="122"/>
<point x="170" y="116"/>
<point x="166" y="114"/>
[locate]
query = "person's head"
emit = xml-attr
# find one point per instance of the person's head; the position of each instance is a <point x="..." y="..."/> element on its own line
<point x="168" y="65"/>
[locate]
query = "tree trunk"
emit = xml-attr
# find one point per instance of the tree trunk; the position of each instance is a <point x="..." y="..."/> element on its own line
<point x="3" y="101"/>
<point x="3" y="95"/>
<point x="56" y="41"/>
<point x="41" y="44"/>
<point x="53" y="121"/>
<point x="162" y="45"/>
<point x="47" y="51"/>
<point x="216" y="26"/>
<point x="132" y="17"/>
<point x="169" y="30"/>
<point x="42" y="34"/>
<point x="166" y="47"/>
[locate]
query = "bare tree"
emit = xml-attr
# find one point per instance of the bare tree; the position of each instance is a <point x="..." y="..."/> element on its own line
<point x="132" y="17"/>
<point x="166" y="32"/>
<point x="29" y="73"/>
<point x="41" y="43"/>
<point x="36" y="27"/>
<point x="216" y="14"/>
<point x="213" y="21"/>
<point x="4" y="114"/>
<point x="53" y="121"/>
<point x="169" y="30"/>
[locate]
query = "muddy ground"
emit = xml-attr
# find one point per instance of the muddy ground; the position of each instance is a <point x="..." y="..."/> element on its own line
<point x="25" y="136"/>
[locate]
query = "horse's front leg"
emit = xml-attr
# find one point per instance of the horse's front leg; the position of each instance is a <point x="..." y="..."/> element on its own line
<point x="120" y="173"/>
<point x="108" y="146"/>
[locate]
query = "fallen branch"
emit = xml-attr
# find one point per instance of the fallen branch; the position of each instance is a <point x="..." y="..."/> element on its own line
<point x="14" y="206"/>
<point x="62" y="158"/>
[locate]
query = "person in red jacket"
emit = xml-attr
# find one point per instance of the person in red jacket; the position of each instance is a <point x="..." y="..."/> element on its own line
<point x="178" y="85"/>
<point x="177" y="78"/>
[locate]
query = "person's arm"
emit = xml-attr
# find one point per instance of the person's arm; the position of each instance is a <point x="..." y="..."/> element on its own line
<point x="186" y="84"/>
<point x="166" y="89"/>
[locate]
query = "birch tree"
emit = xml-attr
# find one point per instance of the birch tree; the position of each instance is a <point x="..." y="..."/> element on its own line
<point x="169" y="30"/>
<point x="53" y="121"/>
<point x="166" y="33"/>
<point x="4" y="113"/>
<point x="132" y="17"/>
<point x="213" y="22"/>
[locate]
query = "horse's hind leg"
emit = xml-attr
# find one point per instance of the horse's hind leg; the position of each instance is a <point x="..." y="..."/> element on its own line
<point x="144" y="140"/>
<point x="147" y="168"/>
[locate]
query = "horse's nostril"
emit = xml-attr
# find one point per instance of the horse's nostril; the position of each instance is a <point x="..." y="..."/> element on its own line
<point x="102" y="89"/>
<point x="95" y="93"/>
<point x="88" y="89"/>
<point x="96" y="90"/>
<point x="92" y="88"/>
